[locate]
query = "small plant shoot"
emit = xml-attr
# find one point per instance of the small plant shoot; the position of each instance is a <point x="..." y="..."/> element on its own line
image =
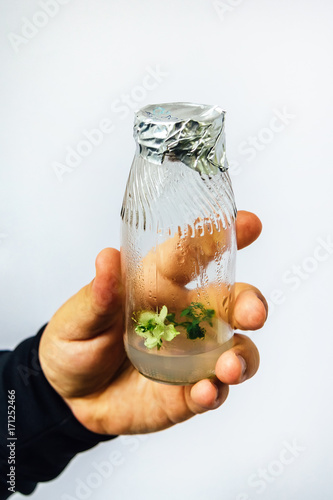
<point x="156" y="327"/>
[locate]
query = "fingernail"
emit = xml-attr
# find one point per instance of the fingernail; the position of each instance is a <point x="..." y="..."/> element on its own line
<point x="243" y="363"/>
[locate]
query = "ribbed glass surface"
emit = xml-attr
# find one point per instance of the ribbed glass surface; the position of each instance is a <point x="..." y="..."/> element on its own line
<point x="178" y="248"/>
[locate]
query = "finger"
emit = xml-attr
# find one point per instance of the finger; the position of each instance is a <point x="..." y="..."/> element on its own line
<point x="250" y="309"/>
<point x="245" y="308"/>
<point x="248" y="228"/>
<point x="155" y="290"/>
<point x="206" y="395"/>
<point x="180" y="257"/>
<point x="239" y="363"/>
<point x="96" y="306"/>
<point x="168" y="267"/>
<point x="106" y="288"/>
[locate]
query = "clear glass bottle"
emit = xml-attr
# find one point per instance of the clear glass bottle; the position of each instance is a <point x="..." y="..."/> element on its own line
<point x="178" y="243"/>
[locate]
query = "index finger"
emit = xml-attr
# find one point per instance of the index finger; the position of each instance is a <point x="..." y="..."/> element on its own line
<point x="177" y="258"/>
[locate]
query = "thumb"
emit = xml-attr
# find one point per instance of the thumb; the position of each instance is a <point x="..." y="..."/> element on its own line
<point x="106" y="289"/>
<point x="97" y="306"/>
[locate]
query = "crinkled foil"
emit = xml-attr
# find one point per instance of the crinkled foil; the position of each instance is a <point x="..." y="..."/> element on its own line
<point x="186" y="132"/>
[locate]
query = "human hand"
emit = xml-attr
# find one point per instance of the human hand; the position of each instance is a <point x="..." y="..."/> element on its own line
<point x="82" y="355"/>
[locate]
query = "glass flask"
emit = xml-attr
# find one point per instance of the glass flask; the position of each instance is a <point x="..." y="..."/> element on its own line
<point x="178" y="243"/>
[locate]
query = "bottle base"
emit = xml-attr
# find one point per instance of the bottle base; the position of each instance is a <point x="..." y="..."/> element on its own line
<point x="176" y="369"/>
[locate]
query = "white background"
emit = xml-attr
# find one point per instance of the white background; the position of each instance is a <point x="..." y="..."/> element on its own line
<point x="255" y="58"/>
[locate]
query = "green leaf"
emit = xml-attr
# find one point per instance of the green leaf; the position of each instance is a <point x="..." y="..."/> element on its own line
<point x="169" y="333"/>
<point x="195" y="331"/>
<point x="163" y="314"/>
<point x="185" y="312"/>
<point x="152" y="327"/>
<point x="171" y="317"/>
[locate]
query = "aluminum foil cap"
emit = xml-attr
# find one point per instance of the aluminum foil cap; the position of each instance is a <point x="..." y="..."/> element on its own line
<point x="182" y="131"/>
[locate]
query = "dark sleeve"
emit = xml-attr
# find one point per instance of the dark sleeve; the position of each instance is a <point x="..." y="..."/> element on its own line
<point x="45" y="434"/>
